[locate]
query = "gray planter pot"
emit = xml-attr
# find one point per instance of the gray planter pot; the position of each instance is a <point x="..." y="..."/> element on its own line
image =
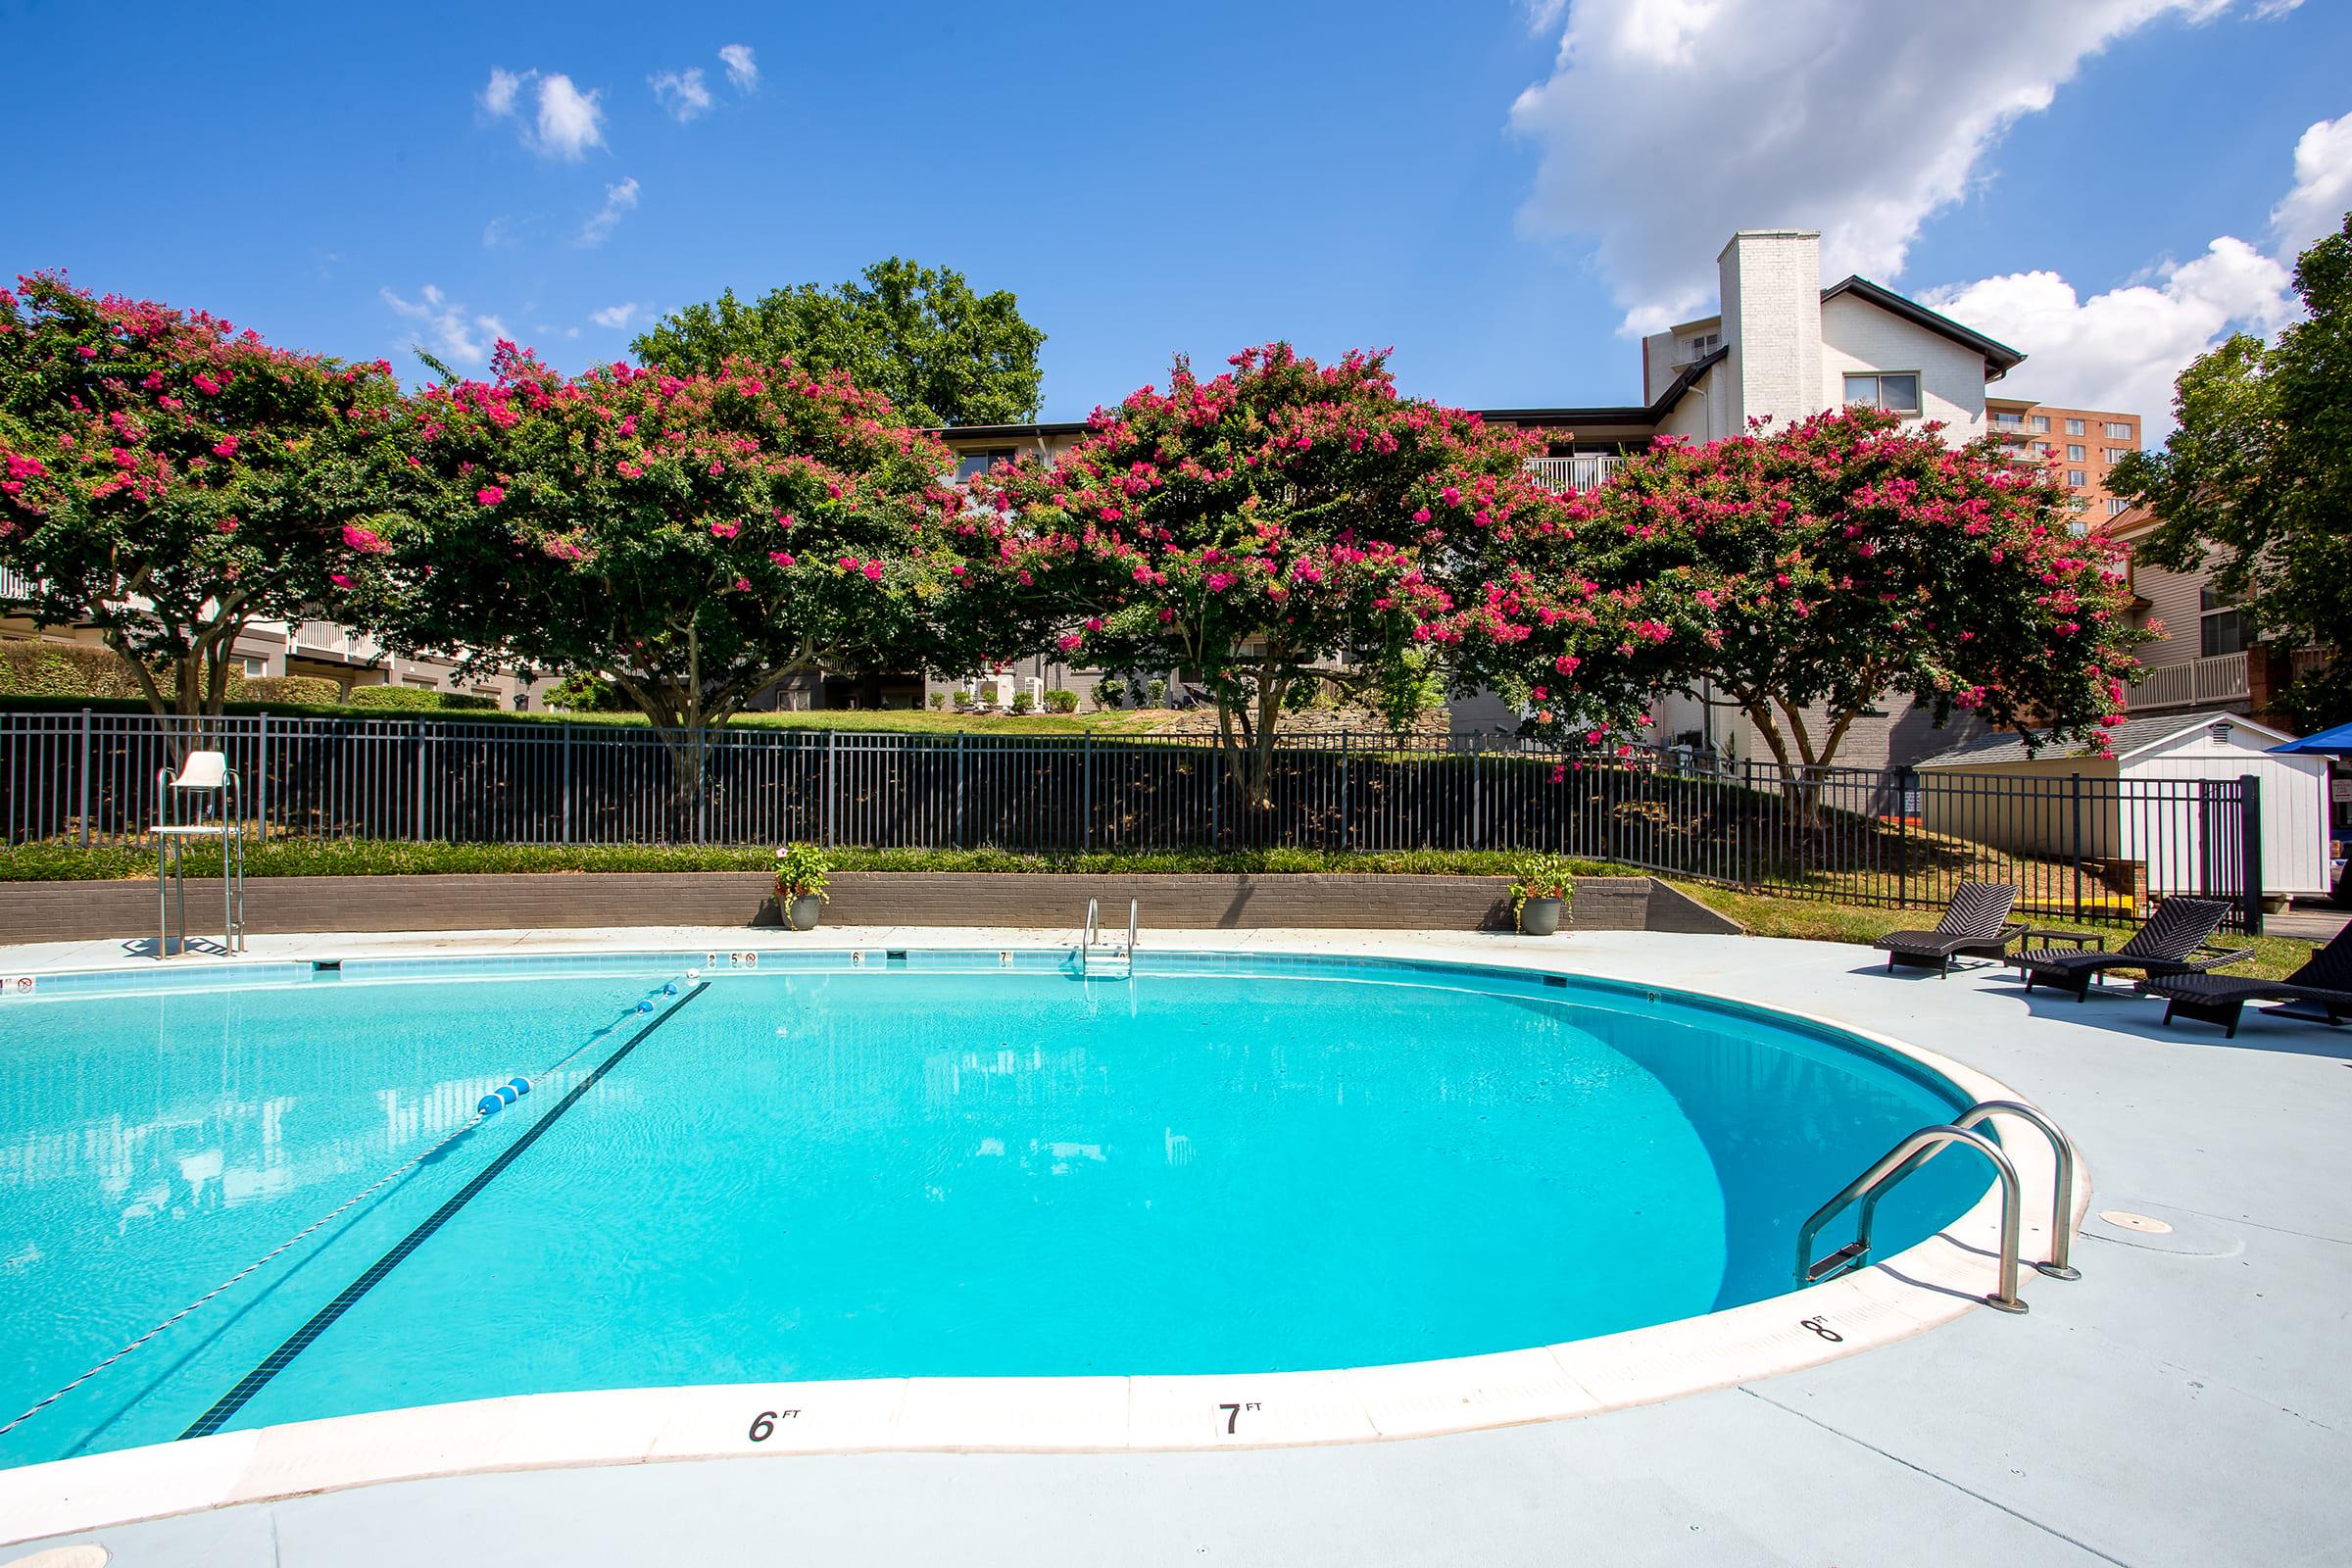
<point x="801" y="912"/>
<point x="1539" y="917"/>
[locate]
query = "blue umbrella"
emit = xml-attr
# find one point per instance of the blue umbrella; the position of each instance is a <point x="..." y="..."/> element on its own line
<point x="2337" y="742"/>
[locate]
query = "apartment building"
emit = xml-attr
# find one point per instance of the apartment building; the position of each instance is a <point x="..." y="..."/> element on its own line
<point x="2080" y="444"/>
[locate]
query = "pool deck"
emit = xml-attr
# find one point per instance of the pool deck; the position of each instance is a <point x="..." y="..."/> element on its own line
<point x="2186" y="1401"/>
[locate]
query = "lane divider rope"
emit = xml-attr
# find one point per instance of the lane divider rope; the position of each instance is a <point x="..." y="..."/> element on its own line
<point x="482" y="1115"/>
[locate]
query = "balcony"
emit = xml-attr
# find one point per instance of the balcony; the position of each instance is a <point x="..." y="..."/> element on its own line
<point x="316" y="639"/>
<point x="2199" y="683"/>
<point x="1583" y="471"/>
<point x="15" y="587"/>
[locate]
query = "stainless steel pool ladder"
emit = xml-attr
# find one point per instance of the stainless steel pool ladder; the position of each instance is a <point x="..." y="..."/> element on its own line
<point x="1114" y="957"/>
<point x="1915" y="1151"/>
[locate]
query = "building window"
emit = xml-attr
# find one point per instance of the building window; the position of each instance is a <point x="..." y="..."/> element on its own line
<point x="2220" y="629"/>
<point x="2075" y="477"/>
<point x="2074" y="427"/>
<point x="971" y="463"/>
<point x="2044" y="449"/>
<point x="1699" y="346"/>
<point x="2042" y="422"/>
<point x="2014" y="421"/>
<point x="2116" y="506"/>
<point x="255" y="668"/>
<point x="2118" y="454"/>
<point x="2119" y="430"/>
<point x="2074" y="454"/>
<point x="1896" y="392"/>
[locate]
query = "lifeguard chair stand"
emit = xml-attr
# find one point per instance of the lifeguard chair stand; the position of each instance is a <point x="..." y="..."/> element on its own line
<point x="206" y="778"/>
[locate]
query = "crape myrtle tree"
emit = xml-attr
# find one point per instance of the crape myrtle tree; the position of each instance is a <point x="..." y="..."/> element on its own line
<point x="168" y="480"/>
<point x="690" y="538"/>
<point x="2257" y="479"/>
<point x="1285" y="522"/>
<point x="1807" y="574"/>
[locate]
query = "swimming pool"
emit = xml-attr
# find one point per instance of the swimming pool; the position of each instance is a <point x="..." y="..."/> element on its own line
<point x="841" y="1165"/>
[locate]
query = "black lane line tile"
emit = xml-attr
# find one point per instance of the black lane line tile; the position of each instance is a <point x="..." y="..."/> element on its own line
<point x="253" y="1382"/>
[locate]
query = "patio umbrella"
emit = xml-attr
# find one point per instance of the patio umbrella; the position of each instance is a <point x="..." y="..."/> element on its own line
<point x="2337" y="742"/>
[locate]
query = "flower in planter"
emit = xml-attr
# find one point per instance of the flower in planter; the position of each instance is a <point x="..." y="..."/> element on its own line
<point x="1542" y="876"/>
<point x="800" y="870"/>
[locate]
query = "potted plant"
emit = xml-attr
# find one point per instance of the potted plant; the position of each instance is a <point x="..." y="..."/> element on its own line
<point x="1541" y="892"/>
<point x="801" y="885"/>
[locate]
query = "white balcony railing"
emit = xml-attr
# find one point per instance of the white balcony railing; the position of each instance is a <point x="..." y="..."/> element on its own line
<point x="319" y="638"/>
<point x="1583" y="471"/>
<point x="13" y="586"/>
<point x="2222" y="679"/>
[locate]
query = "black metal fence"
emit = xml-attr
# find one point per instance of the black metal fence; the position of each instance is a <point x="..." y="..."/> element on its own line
<point x="2084" y="849"/>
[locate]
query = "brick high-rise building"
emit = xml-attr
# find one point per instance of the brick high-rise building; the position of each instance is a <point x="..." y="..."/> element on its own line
<point x="2081" y="443"/>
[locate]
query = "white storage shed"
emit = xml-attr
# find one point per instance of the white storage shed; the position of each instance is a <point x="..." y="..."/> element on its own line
<point x="2136" y="807"/>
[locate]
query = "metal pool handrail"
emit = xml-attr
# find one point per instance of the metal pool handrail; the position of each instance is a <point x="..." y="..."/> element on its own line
<point x="2062" y="1205"/>
<point x="1898" y="1162"/>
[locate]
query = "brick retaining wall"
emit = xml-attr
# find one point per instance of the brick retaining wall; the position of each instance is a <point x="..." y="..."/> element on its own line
<point x="65" y="911"/>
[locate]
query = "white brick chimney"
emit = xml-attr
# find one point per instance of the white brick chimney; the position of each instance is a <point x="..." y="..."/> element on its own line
<point x="1771" y="280"/>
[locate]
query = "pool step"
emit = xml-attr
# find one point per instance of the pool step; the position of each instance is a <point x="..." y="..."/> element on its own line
<point x="1101" y="956"/>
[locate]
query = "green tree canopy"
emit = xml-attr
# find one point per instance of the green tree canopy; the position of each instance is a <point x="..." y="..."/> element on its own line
<point x="169" y="481"/>
<point x="2256" y="483"/>
<point x="919" y="335"/>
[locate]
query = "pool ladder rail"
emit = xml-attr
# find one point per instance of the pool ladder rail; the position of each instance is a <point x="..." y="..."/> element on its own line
<point x="1097" y="954"/>
<point x="1915" y="1151"/>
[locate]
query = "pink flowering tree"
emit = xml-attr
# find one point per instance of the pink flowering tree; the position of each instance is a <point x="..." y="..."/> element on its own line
<point x="169" y="481"/>
<point x="1807" y="574"/>
<point x="692" y="539"/>
<point x="1285" y="522"/>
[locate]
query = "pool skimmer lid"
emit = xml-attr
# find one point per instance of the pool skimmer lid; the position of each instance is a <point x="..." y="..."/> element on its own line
<point x="2123" y="1219"/>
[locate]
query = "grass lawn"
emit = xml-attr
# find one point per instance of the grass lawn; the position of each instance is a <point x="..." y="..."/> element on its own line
<point x="1819" y="921"/>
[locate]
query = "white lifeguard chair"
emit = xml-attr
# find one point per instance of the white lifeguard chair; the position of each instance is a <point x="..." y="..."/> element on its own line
<point x="181" y="802"/>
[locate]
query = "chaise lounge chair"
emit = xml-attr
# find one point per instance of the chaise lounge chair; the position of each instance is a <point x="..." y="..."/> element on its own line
<point x="2173" y="942"/>
<point x="1976" y="923"/>
<point x="2326" y="980"/>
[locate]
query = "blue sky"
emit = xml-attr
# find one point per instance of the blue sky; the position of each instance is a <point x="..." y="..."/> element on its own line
<point x="1149" y="179"/>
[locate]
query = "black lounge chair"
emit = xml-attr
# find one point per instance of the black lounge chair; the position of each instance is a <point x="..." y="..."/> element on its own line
<point x="2326" y="980"/>
<point x="2173" y="941"/>
<point x="1976" y="923"/>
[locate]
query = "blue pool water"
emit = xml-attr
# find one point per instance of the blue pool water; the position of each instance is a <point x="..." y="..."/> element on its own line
<point x="939" y="1169"/>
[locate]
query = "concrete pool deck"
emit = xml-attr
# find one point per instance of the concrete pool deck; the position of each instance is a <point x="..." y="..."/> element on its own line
<point x="2185" y="1401"/>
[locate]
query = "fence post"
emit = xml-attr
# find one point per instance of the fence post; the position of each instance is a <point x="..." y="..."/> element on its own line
<point x="260" y="778"/>
<point x="1086" y="790"/>
<point x="2249" y="848"/>
<point x="2074" y="804"/>
<point x="566" y="785"/>
<point x="832" y="753"/>
<point x="962" y="771"/>
<point x="85" y="778"/>
<point x="1346" y="800"/>
<point x="420" y="732"/>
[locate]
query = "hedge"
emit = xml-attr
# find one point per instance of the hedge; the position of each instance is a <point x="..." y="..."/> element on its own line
<point x="416" y="700"/>
<point x="38" y="668"/>
<point x="58" y="862"/>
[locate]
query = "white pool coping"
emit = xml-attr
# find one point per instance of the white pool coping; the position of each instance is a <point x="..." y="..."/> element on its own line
<point x="1925" y="1287"/>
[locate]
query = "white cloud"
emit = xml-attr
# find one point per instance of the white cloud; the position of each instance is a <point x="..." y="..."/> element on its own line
<point x="1666" y="124"/>
<point x="2322" y="190"/>
<point x="448" y="330"/>
<point x="499" y="96"/>
<point x="2122" y="349"/>
<point x="615" y="315"/>
<point x="619" y="200"/>
<point x="743" y="69"/>
<point x="569" y="121"/>
<point x="680" y="92"/>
